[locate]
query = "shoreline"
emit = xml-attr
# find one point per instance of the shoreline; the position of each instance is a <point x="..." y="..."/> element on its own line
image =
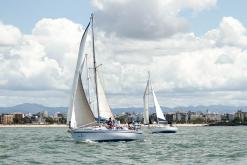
<point x="65" y="126"/>
<point x="190" y="125"/>
<point x="179" y="125"/>
<point x="33" y="126"/>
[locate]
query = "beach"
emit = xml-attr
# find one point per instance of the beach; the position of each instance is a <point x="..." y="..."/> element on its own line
<point x="190" y="125"/>
<point x="33" y="126"/>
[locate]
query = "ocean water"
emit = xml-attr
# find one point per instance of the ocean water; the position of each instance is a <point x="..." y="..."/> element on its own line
<point x="191" y="145"/>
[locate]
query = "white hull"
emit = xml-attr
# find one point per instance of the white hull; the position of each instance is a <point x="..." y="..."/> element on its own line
<point x="103" y="135"/>
<point x="164" y="129"/>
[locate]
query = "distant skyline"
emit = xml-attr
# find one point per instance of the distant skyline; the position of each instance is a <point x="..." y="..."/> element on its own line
<point x="195" y="50"/>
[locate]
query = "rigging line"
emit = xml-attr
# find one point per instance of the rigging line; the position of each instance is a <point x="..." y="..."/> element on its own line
<point x="88" y="78"/>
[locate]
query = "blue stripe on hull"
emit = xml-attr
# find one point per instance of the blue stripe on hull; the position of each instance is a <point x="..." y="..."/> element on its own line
<point x="116" y="140"/>
<point x="165" y="132"/>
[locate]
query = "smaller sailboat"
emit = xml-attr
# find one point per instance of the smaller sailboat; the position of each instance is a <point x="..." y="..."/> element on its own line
<point x="162" y="125"/>
<point x="82" y="115"/>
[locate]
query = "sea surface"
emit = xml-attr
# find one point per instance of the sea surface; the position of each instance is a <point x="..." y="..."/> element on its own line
<point x="191" y="145"/>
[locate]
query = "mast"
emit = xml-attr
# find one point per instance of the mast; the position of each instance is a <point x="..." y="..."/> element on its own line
<point x="148" y="93"/>
<point x="95" y="69"/>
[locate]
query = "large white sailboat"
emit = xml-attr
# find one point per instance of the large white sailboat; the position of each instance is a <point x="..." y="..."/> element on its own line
<point x="82" y="115"/>
<point x="162" y="125"/>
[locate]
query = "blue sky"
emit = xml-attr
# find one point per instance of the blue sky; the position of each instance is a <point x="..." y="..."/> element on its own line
<point x="25" y="13"/>
<point x="203" y="21"/>
<point x="195" y="50"/>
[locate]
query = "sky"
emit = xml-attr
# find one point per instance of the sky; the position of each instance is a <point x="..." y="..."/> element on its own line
<point x="195" y="50"/>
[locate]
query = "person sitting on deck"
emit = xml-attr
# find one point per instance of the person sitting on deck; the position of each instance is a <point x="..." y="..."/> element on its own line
<point x="109" y="123"/>
<point x="70" y="125"/>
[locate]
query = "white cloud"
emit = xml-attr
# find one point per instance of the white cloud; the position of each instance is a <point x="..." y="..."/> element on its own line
<point x="60" y="39"/>
<point x="43" y="60"/>
<point x="145" y="19"/>
<point x="9" y="35"/>
<point x="193" y="65"/>
<point x="181" y="64"/>
<point x="185" y="69"/>
<point x="230" y="32"/>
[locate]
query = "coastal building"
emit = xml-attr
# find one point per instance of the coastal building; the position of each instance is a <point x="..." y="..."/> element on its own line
<point x="197" y="117"/>
<point x="245" y="116"/>
<point x="45" y="114"/>
<point x="35" y="119"/>
<point x="182" y="117"/>
<point x="227" y="117"/>
<point x="133" y="117"/>
<point x="170" y="117"/>
<point x="241" y="116"/>
<point x="1" y="119"/>
<point x="59" y="118"/>
<point x="42" y="116"/>
<point x="18" y="117"/>
<point x="213" y="117"/>
<point x="28" y="114"/>
<point x="137" y="117"/>
<point x="8" y="119"/>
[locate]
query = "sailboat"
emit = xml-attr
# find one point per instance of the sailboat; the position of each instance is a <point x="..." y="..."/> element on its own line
<point x="162" y="125"/>
<point x="84" y="125"/>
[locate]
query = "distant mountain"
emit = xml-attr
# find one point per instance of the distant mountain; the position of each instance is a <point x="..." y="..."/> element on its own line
<point x="32" y="108"/>
<point x="212" y="108"/>
<point x="137" y="110"/>
<point x="35" y="108"/>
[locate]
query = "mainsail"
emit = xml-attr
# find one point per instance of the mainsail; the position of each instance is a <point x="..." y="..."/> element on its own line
<point x="159" y="113"/>
<point x="146" y="106"/>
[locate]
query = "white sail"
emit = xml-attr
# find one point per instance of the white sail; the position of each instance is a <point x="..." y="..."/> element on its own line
<point x="104" y="108"/>
<point x="77" y="89"/>
<point x="159" y="113"/>
<point x="81" y="111"/>
<point x="146" y="105"/>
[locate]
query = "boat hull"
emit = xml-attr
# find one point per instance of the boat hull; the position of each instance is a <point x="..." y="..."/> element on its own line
<point x="106" y="135"/>
<point x="164" y="130"/>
